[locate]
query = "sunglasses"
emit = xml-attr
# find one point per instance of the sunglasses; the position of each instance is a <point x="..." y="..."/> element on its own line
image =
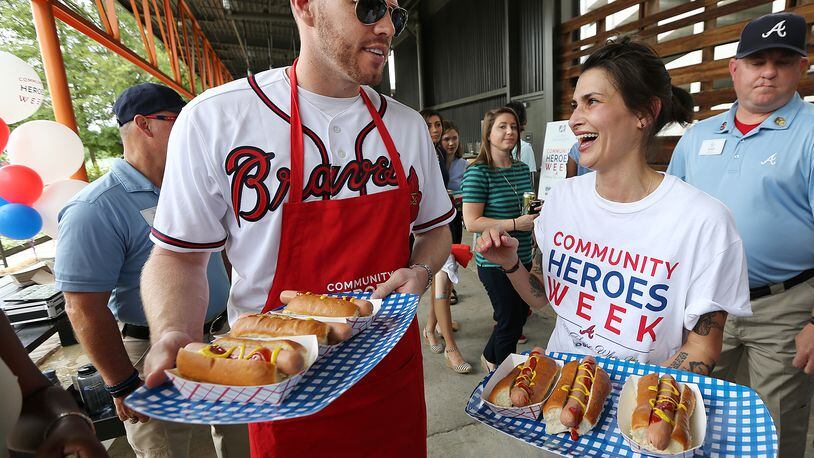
<point x="161" y="117"/>
<point x="370" y="12"/>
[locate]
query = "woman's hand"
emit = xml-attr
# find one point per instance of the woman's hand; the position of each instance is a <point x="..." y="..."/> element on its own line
<point x="525" y="223"/>
<point x="498" y="247"/>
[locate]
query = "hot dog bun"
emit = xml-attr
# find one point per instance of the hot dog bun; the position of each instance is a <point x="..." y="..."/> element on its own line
<point x="681" y="439"/>
<point x="646" y="392"/>
<point x="304" y="303"/>
<point x="262" y="325"/>
<point x="501" y="394"/>
<point x="240" y="362"/>
<point x="553" y="406"/>
<point x="535" y="379"/>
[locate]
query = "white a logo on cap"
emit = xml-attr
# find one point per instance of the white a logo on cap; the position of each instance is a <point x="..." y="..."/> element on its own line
<point x="780" y="28"/>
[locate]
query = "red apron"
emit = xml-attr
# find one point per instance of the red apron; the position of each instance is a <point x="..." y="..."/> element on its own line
<point x="326" y="241"/>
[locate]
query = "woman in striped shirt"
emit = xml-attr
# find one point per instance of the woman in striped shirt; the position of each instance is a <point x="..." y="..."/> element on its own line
<point x="493" y="190"/>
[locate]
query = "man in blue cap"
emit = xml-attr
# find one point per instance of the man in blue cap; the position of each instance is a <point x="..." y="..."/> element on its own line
<point x="758" y="159"/>
<point x="104" y="241"/>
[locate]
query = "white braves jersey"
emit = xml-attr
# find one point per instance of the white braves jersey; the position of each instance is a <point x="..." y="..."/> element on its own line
<point x="228" y="167"/>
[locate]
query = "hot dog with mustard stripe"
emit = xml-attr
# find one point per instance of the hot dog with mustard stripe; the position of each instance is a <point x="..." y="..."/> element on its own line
<point x="578" y="399"/>
<point x="322" y="305"/>
<point x="661" y="419"/>
<point x="241" y="362"/>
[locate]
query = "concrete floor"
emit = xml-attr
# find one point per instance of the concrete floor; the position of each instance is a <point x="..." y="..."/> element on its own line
<point x="451" y="433"/>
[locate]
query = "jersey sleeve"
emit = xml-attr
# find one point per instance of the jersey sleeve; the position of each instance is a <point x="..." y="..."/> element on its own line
<point x="436" y="207"/>
<point x="191" y="208"/>
<point x="90" y="252"/>
<point x="723" y="284"/>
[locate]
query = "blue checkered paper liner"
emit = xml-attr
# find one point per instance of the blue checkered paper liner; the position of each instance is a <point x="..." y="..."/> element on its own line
<point x="325" y="381"/>
<point x="738" y="423"/>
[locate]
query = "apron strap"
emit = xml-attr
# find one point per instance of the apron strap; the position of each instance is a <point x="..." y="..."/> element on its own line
<point x="395" y="158"/>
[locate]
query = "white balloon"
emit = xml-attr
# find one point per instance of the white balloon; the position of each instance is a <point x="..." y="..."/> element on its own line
<point x="51" y="149"/>
<point x="53" y="198"/>
<point x="21" y="90"/>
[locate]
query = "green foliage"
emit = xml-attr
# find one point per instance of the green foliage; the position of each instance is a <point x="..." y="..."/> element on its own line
<point x="95" y="74"/>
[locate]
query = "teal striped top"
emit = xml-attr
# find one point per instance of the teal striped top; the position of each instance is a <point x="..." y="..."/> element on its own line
<point x="501" y="190"/>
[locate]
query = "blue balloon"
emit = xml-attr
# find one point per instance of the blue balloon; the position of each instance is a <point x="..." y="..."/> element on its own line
<point x="18" y="221"/>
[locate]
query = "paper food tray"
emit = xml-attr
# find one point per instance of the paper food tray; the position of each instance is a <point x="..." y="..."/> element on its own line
<point x="624" y="412"/>
<point x="532" y="411"/>
<point x="264" y="394"/>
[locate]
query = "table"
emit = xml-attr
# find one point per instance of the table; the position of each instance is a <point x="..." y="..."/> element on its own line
<point x="32" y="335"/>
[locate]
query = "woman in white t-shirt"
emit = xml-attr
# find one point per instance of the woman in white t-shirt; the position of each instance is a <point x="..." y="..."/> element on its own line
<point x="637" y="264"/>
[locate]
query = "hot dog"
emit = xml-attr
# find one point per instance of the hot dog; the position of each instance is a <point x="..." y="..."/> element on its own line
<point x="578" y="399"/>
<point x="303" y="303"/>
<point x="662" y="419"/>
<point x="241" y="362"/>
<point x="536" y="377"/>
<point x="526" y="384"/>
<point x="646" y="392"/>
<point x="263" y="325"/>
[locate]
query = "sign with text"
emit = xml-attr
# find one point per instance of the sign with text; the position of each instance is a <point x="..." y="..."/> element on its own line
<point x="558" y="141"/>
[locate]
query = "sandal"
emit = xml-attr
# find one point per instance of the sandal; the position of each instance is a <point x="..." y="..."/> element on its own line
<point x="486" y="365"/>
<point x="435" y="348"/>
<point x="462" y="368"/>
<point x="453" y="297"/>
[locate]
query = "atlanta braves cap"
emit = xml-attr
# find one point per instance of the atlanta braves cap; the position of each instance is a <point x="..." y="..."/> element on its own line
<point x="145" y="99"/>
<point x="779" y="30"/>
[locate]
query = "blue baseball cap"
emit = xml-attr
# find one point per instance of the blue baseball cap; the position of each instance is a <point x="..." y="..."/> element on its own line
<point x="779" y="30"/>
<point x="145" y="99"/>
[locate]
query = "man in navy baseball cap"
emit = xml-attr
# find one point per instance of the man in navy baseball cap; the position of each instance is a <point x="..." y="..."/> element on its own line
<point x="750" y="158"/>
<point x="146" y="99"/>
<point x="780" y="30"/>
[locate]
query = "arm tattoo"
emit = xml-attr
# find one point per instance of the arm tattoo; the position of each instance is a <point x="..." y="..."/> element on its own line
<point x="537" y="288"/>
<point x="708" y="322"/>
<point x="680" y="358"/>
<point x="537" y="262"/>
<point x="700" y="367"/>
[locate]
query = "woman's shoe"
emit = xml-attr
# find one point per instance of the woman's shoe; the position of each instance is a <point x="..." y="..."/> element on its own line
<point x="486" y="365"/>
<point x="435" y="348"/>
<point x="462" y="368"/>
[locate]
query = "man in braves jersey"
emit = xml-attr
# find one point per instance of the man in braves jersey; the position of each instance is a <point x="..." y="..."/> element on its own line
<point x="311" y="181"/>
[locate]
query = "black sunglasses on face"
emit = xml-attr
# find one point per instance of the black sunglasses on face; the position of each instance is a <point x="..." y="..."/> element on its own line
<point x="370" y="12"/>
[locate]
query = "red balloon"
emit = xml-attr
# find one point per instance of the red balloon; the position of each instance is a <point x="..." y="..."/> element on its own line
<point x="20" y="184"/>
<point x="3" y="134"/>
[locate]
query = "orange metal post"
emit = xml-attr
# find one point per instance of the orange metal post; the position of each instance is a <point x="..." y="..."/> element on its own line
<point x="55" y="69"/>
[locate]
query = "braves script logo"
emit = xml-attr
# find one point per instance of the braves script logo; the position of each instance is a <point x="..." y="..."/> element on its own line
<point x="589" y="331"/>
<point x="249" y="168"/>
<point x="780" y="28"/>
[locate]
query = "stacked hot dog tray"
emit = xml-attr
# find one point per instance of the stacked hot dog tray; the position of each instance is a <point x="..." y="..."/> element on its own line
<point x="330" y="372"/>
<point x="727" y="420"/>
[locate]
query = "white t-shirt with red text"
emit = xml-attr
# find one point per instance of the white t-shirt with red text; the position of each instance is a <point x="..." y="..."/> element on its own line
<point x="629" y="280"/>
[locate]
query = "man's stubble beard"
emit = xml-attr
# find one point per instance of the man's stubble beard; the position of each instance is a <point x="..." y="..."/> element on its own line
<point x="341" y="54"/>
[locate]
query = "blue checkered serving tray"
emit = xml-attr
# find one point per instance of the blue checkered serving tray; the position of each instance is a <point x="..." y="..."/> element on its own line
<point x="738" y="423"/>
<point x="326" y="380"/>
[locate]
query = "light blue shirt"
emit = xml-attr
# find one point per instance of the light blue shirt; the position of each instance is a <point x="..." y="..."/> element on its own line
<point x="104" y="241"/>
<point x="765" y="178"/>
<point x="456" y="174"/>
<point x="574" y="154"/>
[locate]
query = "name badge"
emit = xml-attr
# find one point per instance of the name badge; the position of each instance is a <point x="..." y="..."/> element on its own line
<point x="149" y="215"/>
<point x="712" y="147"/>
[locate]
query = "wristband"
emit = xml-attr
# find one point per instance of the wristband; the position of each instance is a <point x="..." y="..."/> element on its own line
<point x="62" y="415"/>
<point x="429" y="274"/>
<point x="126" y="387"/>
<point x="513" y="268"/>
<point x="514" y="225"/>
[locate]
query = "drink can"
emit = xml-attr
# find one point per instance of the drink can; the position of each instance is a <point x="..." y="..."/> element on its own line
<point x="527" y="198"/>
